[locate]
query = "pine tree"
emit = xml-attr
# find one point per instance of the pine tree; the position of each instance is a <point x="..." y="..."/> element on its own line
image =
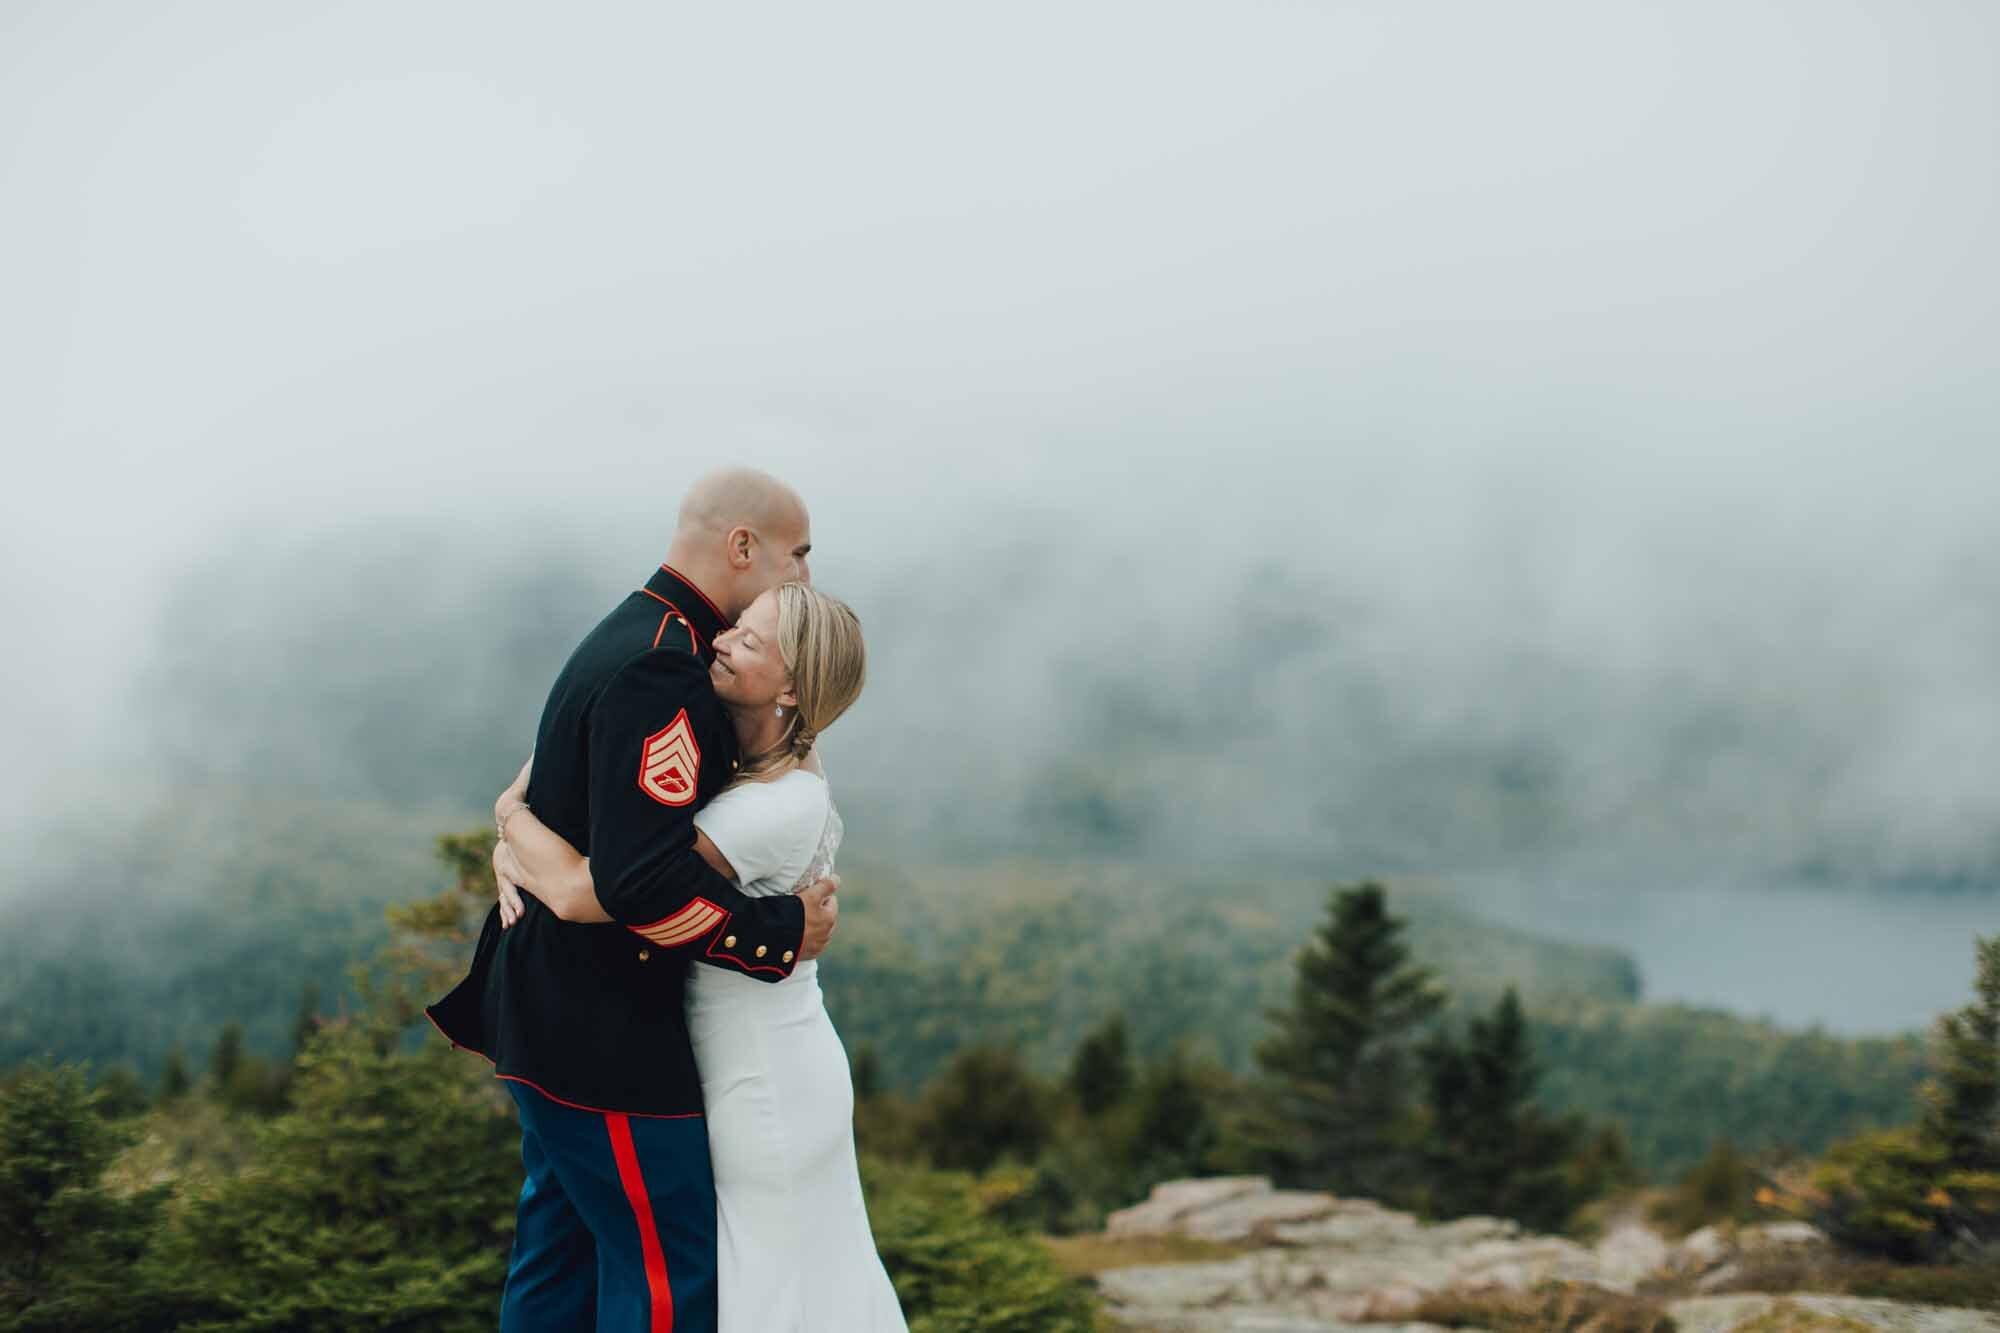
<point x="1100" y="1075"/>
<point x="225" y="1062"/>
<point x="1490" y="1150"/>
<point x="308" y="1020"/>
<point x="1962" y="1099"/>
<point x="986" y="1106"/>
<point x="69" y="1245"/>
<point x="382" y="1200"/>
<point x="866" y="1071"/>
<point x="1177" y="1131"/>
<point x="1336" y="1112"/>
<point x="174" y="1078"/>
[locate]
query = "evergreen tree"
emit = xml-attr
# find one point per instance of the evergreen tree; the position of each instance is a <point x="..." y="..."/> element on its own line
<point x="68" y="1245"/>
<point x="986" y="1106"/>
<point x="1335" y="1112"/>
<point x="382" y="1201"/>
<point x="174" y="1078"/>
<point x="1962" y="1098"/>
<point x="1490" y="1149"/>
<point x="960" y="1268"/>
<point x="121" y="1092"/>
<point x="866" y="1071"/>
<point x="1176" y="1131"/>
<point x="1721" y="1187"/>
<point x="308" y="1020"/>
<point x="1100" y="1076"/>
<point x="225" y="1062"/>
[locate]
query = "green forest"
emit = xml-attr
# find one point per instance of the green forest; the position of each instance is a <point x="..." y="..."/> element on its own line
<point x="328" y="1163"/>
<point x="224" y="906"/>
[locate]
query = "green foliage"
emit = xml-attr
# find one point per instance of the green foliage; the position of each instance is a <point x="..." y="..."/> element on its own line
<point x="1603" y="1164"/>
<point x="121" y="1093"/>
<point x="308" y="1021"/>
<point x="1489" y="1149"/>
<point x="865" y="1070"/>
<point x="174" y="1078"/>
<point x="1930" y="1190"/>
<point x="281" y="891"/>
<point x="1336" y="1110"/>
<point x="1676" y="1078"/>
<point x="226" y="1061"/>
<point x="936" y="957"/>
<point x="984" y="1108"/>
<point x="68" y="1244"/>
<point x="1722" y="1187"/>
<point x="1100" y="1075"/>
<point x="382" y="1201"/>
<point x="1176" y="1129"/>
<point x="1961" y="1109"/>
<point x="957" y="1268"/>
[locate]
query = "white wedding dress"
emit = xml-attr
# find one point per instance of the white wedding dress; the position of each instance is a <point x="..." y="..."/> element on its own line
<point x="794" y="1253"/>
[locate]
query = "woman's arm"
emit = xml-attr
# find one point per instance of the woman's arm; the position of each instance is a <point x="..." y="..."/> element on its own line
<point x="710" y="853"/>
<point x="540" y="860"/>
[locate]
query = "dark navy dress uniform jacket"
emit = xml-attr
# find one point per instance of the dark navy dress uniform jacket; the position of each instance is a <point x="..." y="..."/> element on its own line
<point x="632" y="742"/>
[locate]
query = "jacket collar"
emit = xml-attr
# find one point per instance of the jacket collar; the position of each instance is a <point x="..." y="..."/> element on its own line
<point x="676" y="590"/>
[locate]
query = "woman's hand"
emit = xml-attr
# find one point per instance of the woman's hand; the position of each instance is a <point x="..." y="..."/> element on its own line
<point x="515" y="796"/>
<point x="507" y="875"/>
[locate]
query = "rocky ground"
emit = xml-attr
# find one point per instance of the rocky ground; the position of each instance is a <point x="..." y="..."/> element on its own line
<point x="1314" y="1263"/>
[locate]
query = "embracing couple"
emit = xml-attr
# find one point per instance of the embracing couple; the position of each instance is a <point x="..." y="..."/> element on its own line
<point x="687" y="1132"/>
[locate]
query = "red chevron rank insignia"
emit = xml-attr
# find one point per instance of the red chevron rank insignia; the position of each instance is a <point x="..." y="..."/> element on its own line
<point x="670" y="763"/>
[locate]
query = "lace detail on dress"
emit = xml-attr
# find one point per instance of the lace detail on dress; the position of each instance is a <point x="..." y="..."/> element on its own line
<point x="829" y="843"/>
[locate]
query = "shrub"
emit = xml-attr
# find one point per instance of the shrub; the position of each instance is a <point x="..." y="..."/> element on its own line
<point x="383" y="1201"/>
<point x="1875" y="1192"/>
<point x="957" y="1267"/>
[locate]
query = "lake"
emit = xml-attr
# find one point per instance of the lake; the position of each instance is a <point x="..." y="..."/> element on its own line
<point x="1858" y="960"/>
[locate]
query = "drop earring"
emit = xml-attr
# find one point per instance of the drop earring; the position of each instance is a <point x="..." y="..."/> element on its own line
<point x="781" y="710"/>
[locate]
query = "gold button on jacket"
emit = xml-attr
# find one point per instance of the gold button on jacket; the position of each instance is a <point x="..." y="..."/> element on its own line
<point x="762" y="950"/>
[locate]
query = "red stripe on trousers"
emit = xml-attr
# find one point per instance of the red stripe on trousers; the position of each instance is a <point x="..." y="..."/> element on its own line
<point x="642" y="1209"/>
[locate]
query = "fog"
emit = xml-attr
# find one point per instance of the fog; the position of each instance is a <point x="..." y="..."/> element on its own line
<point x="1440" y="438"/>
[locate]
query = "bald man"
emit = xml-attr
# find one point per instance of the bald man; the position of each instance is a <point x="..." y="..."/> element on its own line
<point x="579" y="1002"/>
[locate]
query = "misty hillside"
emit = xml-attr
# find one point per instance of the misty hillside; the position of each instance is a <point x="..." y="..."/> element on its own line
<point x="1301" y="719"/>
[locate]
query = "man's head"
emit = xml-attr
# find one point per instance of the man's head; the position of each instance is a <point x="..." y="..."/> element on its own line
<point x="741" y="532"/>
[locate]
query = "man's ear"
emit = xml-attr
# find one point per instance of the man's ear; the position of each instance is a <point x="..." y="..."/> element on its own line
<point x="742" y="546"/>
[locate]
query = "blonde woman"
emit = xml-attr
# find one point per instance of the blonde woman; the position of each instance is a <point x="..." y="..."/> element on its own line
<point x="793" y="1251"/>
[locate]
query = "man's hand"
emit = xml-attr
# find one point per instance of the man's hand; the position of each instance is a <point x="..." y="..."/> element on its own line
<point x="507" y="875"/>
<point x="822" y="912"/>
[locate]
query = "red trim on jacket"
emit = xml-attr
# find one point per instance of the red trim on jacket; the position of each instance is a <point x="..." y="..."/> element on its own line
<point x="747" y="967"/>
<point x="599" y="1110"/>
<point x="674" y="613"/>
<point x="696" y="590"/>
<point x="560" y="1101"/>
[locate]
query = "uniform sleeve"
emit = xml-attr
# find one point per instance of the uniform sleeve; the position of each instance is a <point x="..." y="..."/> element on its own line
<point x="648" y="731"/>
<point x="763" y="827"/>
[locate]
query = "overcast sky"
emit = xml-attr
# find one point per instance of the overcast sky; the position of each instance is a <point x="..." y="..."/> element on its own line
<point x="1654" y="341"/>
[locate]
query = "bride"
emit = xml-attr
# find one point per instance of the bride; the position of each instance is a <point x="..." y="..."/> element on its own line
<point x="793" y="1246"/>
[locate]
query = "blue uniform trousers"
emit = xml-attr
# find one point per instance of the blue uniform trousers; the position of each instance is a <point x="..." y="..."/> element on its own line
<point x="615" y="1230"/>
